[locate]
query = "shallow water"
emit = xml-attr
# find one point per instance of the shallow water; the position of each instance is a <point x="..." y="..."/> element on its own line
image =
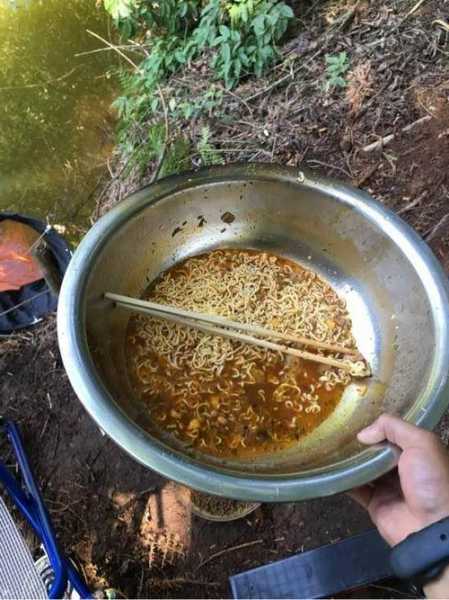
<point x="55" y="118"/>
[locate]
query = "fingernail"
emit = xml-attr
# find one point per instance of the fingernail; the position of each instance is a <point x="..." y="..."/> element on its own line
<point x="365" y="433"/>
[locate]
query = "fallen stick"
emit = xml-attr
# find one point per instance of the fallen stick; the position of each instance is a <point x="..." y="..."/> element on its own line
<point x="439" y="227"/>
<point x="387" y="139"/>
<point x="413" y="203"/>
<point x="226" y="550"/>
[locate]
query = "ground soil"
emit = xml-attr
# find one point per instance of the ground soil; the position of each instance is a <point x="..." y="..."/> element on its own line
<point x="128" y="527"/>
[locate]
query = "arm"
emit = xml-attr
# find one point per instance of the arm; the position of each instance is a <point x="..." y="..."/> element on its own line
<point x="414" y="496"/>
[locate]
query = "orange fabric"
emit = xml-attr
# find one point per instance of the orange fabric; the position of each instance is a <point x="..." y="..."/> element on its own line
<point x="17" y="266"/>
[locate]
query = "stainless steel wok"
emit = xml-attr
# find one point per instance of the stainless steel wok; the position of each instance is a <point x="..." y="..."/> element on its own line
<point x="395" y="289"/>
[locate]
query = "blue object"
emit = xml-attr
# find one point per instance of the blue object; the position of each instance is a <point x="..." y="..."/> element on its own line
<point x="29" y="501"/>
<point x="319" y="573"/>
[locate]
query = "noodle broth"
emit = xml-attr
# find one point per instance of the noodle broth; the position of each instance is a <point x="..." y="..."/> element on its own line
<point x="224" y="397"/>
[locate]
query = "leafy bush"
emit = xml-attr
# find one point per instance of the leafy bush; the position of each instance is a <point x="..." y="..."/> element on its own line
<point x="240" y="37"/>
<point x="237" y="38"/>
<point x="242" y="34"/>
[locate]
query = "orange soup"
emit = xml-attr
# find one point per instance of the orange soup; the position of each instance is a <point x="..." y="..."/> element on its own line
<point x="224" y="397"/>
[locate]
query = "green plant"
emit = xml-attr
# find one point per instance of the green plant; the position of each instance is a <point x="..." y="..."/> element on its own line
<point x="240" y="37"/>
<point x="336" y="67"/>
<point x="151" y="145"/>
<point x="177" y="157"/>
<point x="184" y="107"/>
<point x="209" y="155"/>
<point x="243" y="36"/>
<point x="237" y="38"/>
<point x="119" y="9"/>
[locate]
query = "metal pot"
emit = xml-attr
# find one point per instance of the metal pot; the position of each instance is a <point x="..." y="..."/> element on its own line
<point x="396" y="292"/>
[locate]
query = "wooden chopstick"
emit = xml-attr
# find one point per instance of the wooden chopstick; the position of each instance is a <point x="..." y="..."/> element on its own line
<point x="177" y="318"/>
<point x="217" y="320"/>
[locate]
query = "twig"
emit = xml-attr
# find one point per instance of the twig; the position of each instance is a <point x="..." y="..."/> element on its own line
<point x="241" y="100"/>
<point x="369" y="102"/>
<point x="171" y="583"/>
<point x="328" y="165"/>
<point x="136" y="47"/>
<point x="369" y="173"/>
<point x="36" y="85"/>
<point x="413" y="10"/>
<point x="441" y="24"/>
<point x="163" y="154"/>
<point x="5" y="312"/>
<point x="92" y="462"/>
<point x="44" y="428"/>
<point x="309" y="10"/>
<point x="402" y="21"/>
<point x="387" y="139"/>
<point x="413" y="203"/>
<point x="226" y="550"/>
<point x="116" y="48"/>
<point x="437" y="229"/>
<point x="36" y="241"/>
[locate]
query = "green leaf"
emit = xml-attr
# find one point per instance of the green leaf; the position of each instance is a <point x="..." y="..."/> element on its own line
<point x="154" y="104"/>
<point x="258" y="25"/>
<point x="180" y="56"/>
<point x="272" y="19"/>
<point x="243" y="57"/>
<point x="188" y="111"/>
<point x="119" y="9"/>
<point x="126" y="28"/>
<point x="225" y="32"/>
<point x="285" y="11"/>
<point x="226" y="53"/>
<point x="235" y="36"/>
<point x="234" y="14"/>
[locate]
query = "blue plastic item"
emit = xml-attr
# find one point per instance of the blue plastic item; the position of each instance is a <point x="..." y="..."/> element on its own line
<point x="28" y="500"/>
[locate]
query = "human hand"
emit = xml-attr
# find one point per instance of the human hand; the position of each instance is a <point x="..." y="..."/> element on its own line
<point x="417" y="493"/>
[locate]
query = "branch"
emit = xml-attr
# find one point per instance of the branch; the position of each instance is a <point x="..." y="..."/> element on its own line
<point x="389" y="138"/>
<point x="116" y="48"/>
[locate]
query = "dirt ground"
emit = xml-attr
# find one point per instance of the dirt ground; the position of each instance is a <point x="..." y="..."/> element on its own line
<point x="128" y="527"/>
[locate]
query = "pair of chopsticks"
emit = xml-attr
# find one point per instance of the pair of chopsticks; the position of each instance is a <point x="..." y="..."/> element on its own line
<point x="215" y="325"/>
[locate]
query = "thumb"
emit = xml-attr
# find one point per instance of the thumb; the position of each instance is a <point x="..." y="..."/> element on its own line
<point x="396" y="431"/>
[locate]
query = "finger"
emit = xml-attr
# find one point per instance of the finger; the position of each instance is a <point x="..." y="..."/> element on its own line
<point x="362" y="495"/>
<point x="396" y="431"/>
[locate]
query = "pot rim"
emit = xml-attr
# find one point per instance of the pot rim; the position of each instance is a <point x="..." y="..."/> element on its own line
<point x="354" y="471"/>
